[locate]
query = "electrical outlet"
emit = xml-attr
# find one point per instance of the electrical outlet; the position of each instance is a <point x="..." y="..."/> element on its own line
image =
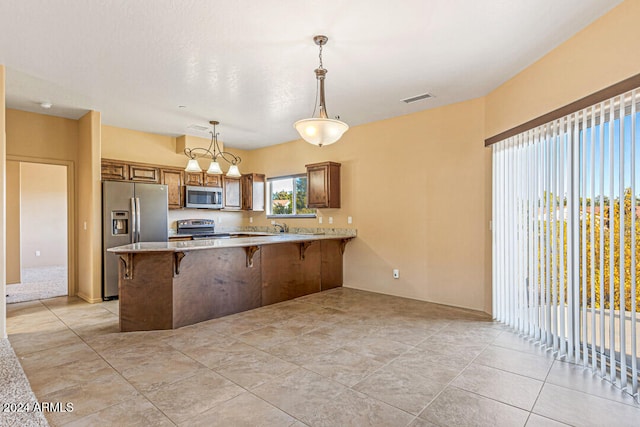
<point x="37" y="253"/>
<point x="396" y="273"/>
<point x="250" y="220"/>
<point x="330" y="220"/>
<point x="319" y="220"/>
<point x="349" y="220"/>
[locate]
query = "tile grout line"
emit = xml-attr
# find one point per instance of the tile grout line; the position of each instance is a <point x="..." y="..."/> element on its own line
<point x="140" y="393"/>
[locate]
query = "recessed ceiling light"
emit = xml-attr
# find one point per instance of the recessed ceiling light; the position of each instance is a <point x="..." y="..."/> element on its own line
<point x="46" y="105"/>
<point x="417" y="98"/>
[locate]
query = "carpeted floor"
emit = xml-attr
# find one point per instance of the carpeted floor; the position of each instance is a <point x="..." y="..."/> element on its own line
<point x="39" y="283"/>
<point x="16" y="396"/>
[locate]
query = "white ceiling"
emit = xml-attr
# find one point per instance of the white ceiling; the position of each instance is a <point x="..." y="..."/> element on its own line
<point x="249" y="63"/>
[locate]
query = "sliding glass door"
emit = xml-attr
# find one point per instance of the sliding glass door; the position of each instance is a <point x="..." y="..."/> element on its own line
<point x="566" y="238"/>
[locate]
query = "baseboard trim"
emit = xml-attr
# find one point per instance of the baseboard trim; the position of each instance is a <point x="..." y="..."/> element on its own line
<point x="89" y="299"/>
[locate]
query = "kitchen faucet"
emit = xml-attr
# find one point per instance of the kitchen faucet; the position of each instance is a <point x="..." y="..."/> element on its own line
<point x="284" y="228"/>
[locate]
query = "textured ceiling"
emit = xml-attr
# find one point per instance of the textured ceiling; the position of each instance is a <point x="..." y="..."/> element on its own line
<point x="249" y="64"/>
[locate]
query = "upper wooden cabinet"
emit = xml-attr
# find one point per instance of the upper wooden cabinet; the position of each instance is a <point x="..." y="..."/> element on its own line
<point x="232" y="190"/>
<point x="203" y="179"/>
<point x="113" y="170"/>
<point x="252" y="190"/>
<point x="144" y="173"/>
<point x="118" y="170"/>
<point x="194" y="178"/>
<point x="174" y="180"/>
<point x="323" y="185"/>
<point x="212" y="180"/>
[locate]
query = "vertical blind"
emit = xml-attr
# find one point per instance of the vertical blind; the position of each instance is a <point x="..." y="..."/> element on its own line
<point x="566" y="238"/>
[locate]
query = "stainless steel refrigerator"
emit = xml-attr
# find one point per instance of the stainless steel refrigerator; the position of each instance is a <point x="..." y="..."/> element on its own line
<point x="132" y="212"/>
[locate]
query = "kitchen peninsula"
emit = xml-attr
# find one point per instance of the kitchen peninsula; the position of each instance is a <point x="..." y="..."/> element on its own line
<point x="174" y="284"/>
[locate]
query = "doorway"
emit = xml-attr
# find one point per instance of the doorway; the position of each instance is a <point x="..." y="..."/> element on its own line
<point x="37" y="231"/>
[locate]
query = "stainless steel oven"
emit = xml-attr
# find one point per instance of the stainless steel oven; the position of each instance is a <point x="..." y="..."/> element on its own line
<point x="203" y="197"/>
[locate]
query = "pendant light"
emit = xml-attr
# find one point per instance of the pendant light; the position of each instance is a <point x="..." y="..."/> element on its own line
<point x="214" y="167"/>
<point x="321" y="130"/>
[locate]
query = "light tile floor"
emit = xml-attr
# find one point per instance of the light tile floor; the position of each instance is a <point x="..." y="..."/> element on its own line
<point x="337" y="358"/>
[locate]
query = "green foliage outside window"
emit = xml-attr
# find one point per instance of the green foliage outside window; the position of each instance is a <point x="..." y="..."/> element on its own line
<point x="593" y="216"/>
<point x="290" y="202"/>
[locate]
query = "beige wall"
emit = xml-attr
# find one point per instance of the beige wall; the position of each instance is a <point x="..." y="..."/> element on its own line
<point x="89" y="213"/>
<point x="600" y="55"/>
<point x="43" y="199"/>
<point x="13" y="221"/>
<point x="41" y="136"/>
<point x="416" y="188"/>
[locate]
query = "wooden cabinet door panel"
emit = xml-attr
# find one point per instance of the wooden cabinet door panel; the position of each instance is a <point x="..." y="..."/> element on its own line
<point x="144" y="173"/>
<point x="114" y="171"/>
<point x="231" y="193"/>
<point x="173" y="179"/>
<point x="317" y="193"/>
<point x="194" y="178"/>
<point x="212" y="180"/>
<point x="253" y="192"/>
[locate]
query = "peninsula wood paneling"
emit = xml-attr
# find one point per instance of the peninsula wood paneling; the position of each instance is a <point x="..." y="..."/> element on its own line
<point x="331" y="268"/>
<point x="146" y="300"/>
<point x="285" y="276"/>
<point x="215" y="283"/>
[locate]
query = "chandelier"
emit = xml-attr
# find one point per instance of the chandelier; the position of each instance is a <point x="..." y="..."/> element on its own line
<point x="214" y="167"/>
<point x="320" y="130"/>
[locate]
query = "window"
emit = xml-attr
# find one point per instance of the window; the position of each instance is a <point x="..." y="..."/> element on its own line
<point x="288" y="197"/>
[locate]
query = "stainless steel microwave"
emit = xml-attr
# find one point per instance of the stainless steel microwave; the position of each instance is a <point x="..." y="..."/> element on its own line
<point x="203" y="197"/>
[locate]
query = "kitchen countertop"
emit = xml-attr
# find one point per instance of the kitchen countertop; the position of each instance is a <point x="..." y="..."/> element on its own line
<point x="239" y="242"/>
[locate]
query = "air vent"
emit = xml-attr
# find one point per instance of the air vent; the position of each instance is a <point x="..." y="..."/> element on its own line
<point x="417" y="98"/>
<point x="199" y="128"/>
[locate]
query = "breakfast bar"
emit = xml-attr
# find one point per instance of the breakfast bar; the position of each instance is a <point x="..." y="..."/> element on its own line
<point x="167" y="285"/>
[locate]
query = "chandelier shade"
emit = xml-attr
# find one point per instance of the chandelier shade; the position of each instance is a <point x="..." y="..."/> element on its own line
<point x="214" y="168"/>
<point x="193" y="166"/>
<point x="234" y="172"/>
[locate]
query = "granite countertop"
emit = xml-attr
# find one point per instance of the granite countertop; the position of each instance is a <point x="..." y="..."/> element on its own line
<point x="238" y="242"/>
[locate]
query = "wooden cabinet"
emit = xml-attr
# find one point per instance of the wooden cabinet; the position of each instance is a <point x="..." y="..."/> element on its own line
<point x="144" y="173"/>
<point x="203" y="179"/>
<point x="252" y="190"/>
<point x="194" y="178"/>
<point x="323" y="185"/>
<point x="113" y="170"/>
<point x="232" y="198"/>
<point x="174" y="180"/>
<point x="212" y="180"/>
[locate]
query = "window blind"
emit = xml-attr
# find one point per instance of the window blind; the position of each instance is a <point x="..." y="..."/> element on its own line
<point x="566" y="239"/>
